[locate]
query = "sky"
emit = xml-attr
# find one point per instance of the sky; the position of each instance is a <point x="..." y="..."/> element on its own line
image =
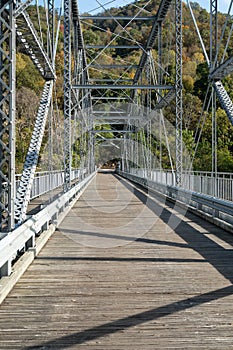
<point x="89" y="5"/>
<point x="223" y="5"/>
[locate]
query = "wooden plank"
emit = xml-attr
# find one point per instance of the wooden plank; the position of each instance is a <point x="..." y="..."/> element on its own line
<point x="115" y="276"/>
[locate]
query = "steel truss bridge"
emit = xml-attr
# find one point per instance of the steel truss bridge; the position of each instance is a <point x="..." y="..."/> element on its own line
<point x="114" y="110"/>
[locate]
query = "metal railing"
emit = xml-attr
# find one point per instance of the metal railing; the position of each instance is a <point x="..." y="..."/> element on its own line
<point x="219" y="186"/>
<point x="46" y="181"/>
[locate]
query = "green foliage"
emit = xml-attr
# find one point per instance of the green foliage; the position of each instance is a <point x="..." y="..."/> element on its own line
<point x="201" y="83"/>
<point x="27" y="75"/>
<point x="188" y="139"/>
<point x="188" y="83"/>
<point x="27" y="105"/>
<point x="225" y="160"/>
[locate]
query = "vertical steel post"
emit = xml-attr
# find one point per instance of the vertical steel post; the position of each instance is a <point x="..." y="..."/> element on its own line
<point x="50" y="34"/>
<point x="213" y="31"/>
<point x="77" y="55"/>
<point x="159" y="53"/>
<point x="7" y="118"/>
<point x="83" y="100"/>
<point x="50" y="50"/>
<point x="91" y="151"/>
<point x="77" y="79"/>
<point x="214" y="142"/>
<point x="67" y="94"/>
<point x="160" y="82"/>
<point x="213" y="60"/>
<point x="179" y="110"/>
<point x="148" y="110"/>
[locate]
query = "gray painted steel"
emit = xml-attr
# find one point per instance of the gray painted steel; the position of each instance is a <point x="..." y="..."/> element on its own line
<point x="25" y="186"/>
<point x="7" y="111"/>
<point x="179" y="107"/>
<point x="122" y="87"/>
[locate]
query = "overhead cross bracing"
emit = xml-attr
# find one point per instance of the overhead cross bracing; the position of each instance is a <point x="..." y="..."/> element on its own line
<point x="113" y="78"/>
<point x="158" y="18"/>
<point x="121" y="87"/>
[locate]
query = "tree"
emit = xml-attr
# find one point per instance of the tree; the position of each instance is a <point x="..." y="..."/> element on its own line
<point x="27" y="75"/>
<point x="201" y="84"/>
<point x="188" y="83"/>
<point x="25" y="118"/>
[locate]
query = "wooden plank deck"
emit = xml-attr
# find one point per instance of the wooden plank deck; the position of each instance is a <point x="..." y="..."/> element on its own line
<point x="116" y="276"/>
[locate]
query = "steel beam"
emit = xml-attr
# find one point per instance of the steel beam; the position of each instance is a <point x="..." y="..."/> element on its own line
<point x="82" y="77"/>
<point x="124" y="117"/>
<point x="118" y="18"/>
<point x="112" y="131"/>
<point x="109" y="139"/>
<point x="7" y="117"/>
<point x="166" y="100"/>
<point x="179" y="107"/>
<point x="80" y="54"/>
<point x="119" y="122"/>
<point x="224" y="99"/>
<point x="109" y="98"/>
<point x="50" y="33"/>
<point x="26" y="181"/>
<point x="132" y="47"/>
<point x="222" y="70"/>
<point x="213" y="32"/>
<point x="159" y="53"/>
<point x="122" y="87"/>
<point x="108" y="112"/>
<point x="113" y="66"/>
<point x="213" y="63"/>
<point x="67" y="94"/>
<point x="75" y="13"/>
<point x="21" y="6"/>
<point x="110" y="80"/>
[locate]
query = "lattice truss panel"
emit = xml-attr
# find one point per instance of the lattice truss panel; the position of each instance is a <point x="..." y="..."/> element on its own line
<point x="7" y="110"/>
<point x="19" y="32"/>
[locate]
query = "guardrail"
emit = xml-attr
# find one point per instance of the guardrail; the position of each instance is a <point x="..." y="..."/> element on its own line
<point x="214" y="209"/>
<point x="23" y="237"/>
<point x="46" y="181"/>
<point x="219" y="185"/>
